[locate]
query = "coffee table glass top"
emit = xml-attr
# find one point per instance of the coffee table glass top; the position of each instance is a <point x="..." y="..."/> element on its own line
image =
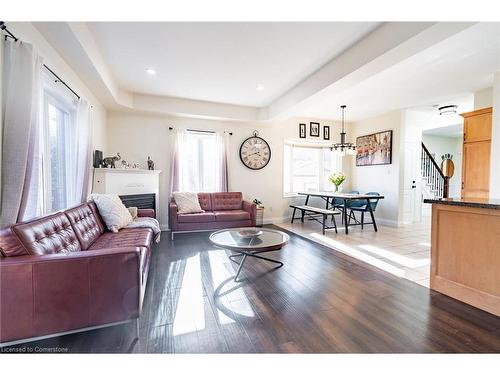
<point x="232" y="238"/>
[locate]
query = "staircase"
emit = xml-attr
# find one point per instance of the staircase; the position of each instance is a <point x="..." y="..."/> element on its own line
<point x="435" y="183"/>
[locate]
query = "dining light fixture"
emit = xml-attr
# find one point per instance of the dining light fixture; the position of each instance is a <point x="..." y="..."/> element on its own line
<point x="344" y="147"/>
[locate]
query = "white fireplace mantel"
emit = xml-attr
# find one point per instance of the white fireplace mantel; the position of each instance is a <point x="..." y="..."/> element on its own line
<point x="127" y="182"/>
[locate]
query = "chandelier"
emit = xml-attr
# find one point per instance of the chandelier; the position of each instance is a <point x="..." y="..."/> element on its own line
<point x="344" y="147"/>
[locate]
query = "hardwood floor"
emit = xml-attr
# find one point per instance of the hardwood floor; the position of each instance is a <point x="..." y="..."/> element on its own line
<point x="320" y="301"/>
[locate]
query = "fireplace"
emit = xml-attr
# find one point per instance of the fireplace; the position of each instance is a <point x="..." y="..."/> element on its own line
<point x="135" y="187"/>
<point x="139" y="200"/>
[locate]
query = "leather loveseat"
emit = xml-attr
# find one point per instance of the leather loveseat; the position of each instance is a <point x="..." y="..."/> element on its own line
<point x="64" y="273"/>
<point x="222" y="210"/>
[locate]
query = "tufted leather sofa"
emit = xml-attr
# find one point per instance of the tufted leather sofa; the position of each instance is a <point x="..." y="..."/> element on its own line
<point x="222" y="210"/>
<point x="64" y="272"/>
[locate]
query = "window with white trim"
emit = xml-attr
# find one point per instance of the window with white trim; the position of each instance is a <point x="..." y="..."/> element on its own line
<point x="58" y="143"/>
<point x="199" y="163"/>
<point x="306" y="168"/>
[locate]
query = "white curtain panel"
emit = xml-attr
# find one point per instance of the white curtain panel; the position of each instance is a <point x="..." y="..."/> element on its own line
<point x="177" y="141"/>
<point x="21" y="157"/>
<point x="223" y="151"/>
<point x="80" y="176"/>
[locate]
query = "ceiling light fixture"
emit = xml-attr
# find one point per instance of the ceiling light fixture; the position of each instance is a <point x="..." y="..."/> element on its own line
<point x="151" y="71"/>
<point x="448" y="109"/>
<point x="344" y="147"/>
<point x="259" y="88"/>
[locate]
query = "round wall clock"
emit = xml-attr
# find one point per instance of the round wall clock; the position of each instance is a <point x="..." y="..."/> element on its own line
<point x="255" y="152"/>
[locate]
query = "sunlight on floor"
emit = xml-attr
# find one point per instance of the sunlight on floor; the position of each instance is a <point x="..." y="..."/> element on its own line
<point x="360" y="255"/>
<point x="231" y="291"/>
<point x="190" y="312"/>
<point x="397" y="258"/>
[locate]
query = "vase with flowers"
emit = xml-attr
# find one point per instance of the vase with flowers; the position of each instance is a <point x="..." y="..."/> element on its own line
<point x="337" y="179"/>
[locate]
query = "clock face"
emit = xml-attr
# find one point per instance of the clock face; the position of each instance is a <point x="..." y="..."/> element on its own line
<point x="255" y="153"/>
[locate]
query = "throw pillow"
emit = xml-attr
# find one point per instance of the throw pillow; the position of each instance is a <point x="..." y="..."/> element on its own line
<point x="133" y="212"/>
<point x="187" y="203"/>
<point x="113" y="211"/>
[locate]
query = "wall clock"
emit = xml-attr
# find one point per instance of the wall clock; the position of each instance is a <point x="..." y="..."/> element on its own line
<point x="255" y="152"/>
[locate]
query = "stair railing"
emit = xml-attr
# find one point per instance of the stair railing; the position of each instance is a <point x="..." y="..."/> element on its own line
<point x="440" y="184"/>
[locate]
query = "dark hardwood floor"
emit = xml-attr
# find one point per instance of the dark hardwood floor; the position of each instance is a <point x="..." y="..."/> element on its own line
<point x="320" y="301"/>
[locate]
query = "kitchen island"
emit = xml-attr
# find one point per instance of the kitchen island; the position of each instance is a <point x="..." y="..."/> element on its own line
<point x="465" y="251"/>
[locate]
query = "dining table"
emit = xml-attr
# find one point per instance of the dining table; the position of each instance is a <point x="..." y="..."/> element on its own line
<point x="330" y="197"/>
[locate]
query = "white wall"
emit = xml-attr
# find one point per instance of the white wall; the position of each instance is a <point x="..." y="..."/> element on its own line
<point x="384" y="179"/>
<point x="27" y="32"/>
<point x="483" y="98"/>
<point x="137" y="136"/>
<point x="447" y="145"/>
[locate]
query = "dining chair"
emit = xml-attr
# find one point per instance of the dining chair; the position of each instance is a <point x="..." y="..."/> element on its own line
<point x="362" y="207"/>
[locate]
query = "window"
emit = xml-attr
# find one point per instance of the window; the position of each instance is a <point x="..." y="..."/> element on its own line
<point x="200" y="166"/>
<point x="307" y="168"/>
<point x="58" y="144"/>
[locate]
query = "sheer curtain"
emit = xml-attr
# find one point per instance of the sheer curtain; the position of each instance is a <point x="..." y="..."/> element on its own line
<point x="223" y="151"/>
<point x="21" y="149"/>
<point x="80" y="178"/>
<point x="199" y="161"/>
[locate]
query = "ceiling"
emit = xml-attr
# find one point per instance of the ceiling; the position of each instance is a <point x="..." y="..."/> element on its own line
<point x="221" y="62"/>
<point x="451" y="131"/>
<point x="458" y="65"/>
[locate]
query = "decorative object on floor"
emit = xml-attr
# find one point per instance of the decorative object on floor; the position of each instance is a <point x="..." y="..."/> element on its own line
<point x="259" y="217"/>
<point x="97" y="159"/>
<point x="187" y="203"/>
<point x="374" y="149"/>
<point x="314" y="129"/>
<point x="255" y="152"/>
<point x="249" y="232"/>
<point x="343" y="147"/>
<point x="302" y="130"/>
<point x="337" y="179"/>
<point x="151" y="164"/>
<point x="269" y="240"/>
<point x="447" y="166"/>
<point x="124" y="164"/>
<point x="109" y="162"/>
<point x="326" y="133"/>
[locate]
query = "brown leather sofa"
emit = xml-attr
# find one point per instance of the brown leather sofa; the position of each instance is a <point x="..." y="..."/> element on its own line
<point x="221" y="210"/>
<point x="64" y="273"/>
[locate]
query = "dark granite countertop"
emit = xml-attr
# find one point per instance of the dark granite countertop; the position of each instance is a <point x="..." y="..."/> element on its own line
<point x="468" y="202"/>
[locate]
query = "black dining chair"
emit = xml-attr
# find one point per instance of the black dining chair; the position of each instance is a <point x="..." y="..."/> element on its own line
<point x="360" y="206"/>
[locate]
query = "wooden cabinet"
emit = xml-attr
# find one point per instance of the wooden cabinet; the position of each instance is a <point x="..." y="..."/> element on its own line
<point x="476" y="153"/>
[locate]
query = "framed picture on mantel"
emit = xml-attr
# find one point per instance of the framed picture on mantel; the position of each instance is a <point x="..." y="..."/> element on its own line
<point x="374" y="149"/>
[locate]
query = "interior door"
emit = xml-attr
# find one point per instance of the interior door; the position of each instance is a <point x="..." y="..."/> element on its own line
<point x="411" y="183"/>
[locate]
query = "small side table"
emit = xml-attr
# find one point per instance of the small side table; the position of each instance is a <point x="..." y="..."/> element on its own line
<point x="259" y="217"/>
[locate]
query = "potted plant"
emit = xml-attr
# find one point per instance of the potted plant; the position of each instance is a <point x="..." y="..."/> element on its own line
<point x="260" y="212"/>
<point x="337" y="179"/>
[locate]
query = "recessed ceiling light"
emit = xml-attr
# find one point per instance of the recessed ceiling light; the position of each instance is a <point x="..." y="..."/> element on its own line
<point x="259" y="88"/>
<point x="151" y="71"/>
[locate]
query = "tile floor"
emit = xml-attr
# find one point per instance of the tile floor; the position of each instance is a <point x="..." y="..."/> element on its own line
<point x="402" y="251"/>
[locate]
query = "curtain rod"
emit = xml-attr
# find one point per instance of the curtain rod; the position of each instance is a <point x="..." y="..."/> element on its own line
<point x="3" y="27"/>
<point x="201" y="131"/>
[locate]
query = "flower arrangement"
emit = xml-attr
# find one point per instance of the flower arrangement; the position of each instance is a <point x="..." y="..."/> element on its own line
<point x="258" y="202"/>
<point x="337" y="178"/>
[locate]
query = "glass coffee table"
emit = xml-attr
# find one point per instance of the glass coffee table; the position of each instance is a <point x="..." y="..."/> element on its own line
<point x="250" y="242"/>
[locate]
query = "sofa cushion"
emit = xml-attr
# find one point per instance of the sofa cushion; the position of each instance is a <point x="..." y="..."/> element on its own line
<point x="227" y="201"/>
<point x="187" y="202"/>
<point x="128" y="237"/>
<point x="112" y="210"/>
<point x="205" y="201"/>
<point x="232" y="215"/>
<point x="85" y="224"/>
<point x="202" y="217"/>
<point x="48" y="235"/>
